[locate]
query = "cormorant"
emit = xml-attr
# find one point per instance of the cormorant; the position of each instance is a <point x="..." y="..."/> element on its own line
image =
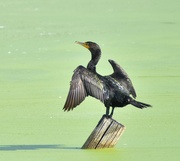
<point x="113" y="90"/>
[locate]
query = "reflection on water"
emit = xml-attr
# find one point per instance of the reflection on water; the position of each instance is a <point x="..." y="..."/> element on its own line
<point x="34" y="147"/>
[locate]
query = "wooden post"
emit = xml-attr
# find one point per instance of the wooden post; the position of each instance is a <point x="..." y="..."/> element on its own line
<point x="105" y="135"/>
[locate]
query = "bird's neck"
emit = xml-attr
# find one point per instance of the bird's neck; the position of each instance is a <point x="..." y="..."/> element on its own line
<point x="95" y="56"/>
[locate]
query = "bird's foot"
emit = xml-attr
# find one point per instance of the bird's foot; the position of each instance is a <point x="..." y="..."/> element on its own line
<point x="107" y="116"/>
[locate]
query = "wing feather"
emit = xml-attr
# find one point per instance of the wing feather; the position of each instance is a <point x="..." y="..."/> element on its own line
<point x="83" y="83"/>
<point x="77" y="92"/>
<point x="94" y="86"/>
<point x="122" y="77"/>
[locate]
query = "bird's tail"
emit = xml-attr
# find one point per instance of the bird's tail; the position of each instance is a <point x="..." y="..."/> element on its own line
<point x="138" y="104"/>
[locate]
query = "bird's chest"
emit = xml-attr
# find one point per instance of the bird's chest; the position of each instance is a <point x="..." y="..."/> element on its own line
<point x="117" y="96"/>
<point x="119" y="100"/>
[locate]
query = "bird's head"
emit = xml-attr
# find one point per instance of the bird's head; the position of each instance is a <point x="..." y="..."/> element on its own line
<point x="92" y="46"/>
<point x="95" y="54"/>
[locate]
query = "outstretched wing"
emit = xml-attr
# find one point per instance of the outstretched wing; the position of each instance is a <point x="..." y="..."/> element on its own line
<point x="77" y="92"/>
<point x="83" y="83"/>
<point x="122" y="77"/>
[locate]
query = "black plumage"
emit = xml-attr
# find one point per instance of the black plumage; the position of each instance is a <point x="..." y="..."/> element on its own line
<point x="113" y="90"/>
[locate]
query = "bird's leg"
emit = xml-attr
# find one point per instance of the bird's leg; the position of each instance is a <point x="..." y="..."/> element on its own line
<point x="111" y="112"/>
<point x="107" y="111"/>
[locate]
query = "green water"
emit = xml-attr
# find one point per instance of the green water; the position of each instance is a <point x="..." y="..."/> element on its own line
<point x="38" y="56"/>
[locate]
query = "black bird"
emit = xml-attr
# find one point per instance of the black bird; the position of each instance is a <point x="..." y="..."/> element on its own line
<point x="113" y="90"/>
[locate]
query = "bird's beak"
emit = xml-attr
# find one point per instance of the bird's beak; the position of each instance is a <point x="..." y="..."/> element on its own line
<point x="83" y="44"/>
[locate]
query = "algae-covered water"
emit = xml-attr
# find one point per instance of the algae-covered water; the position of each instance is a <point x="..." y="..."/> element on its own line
<point x="38" y="56"/>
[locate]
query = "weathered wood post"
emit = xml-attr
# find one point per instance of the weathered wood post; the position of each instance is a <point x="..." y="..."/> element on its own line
<point x="105" y="135"/>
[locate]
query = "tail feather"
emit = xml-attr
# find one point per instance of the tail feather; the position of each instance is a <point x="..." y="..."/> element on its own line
<point x="139" y="104"/>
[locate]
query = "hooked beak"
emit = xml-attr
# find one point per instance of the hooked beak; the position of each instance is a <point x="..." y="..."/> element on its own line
<point x="83" y="44"/>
